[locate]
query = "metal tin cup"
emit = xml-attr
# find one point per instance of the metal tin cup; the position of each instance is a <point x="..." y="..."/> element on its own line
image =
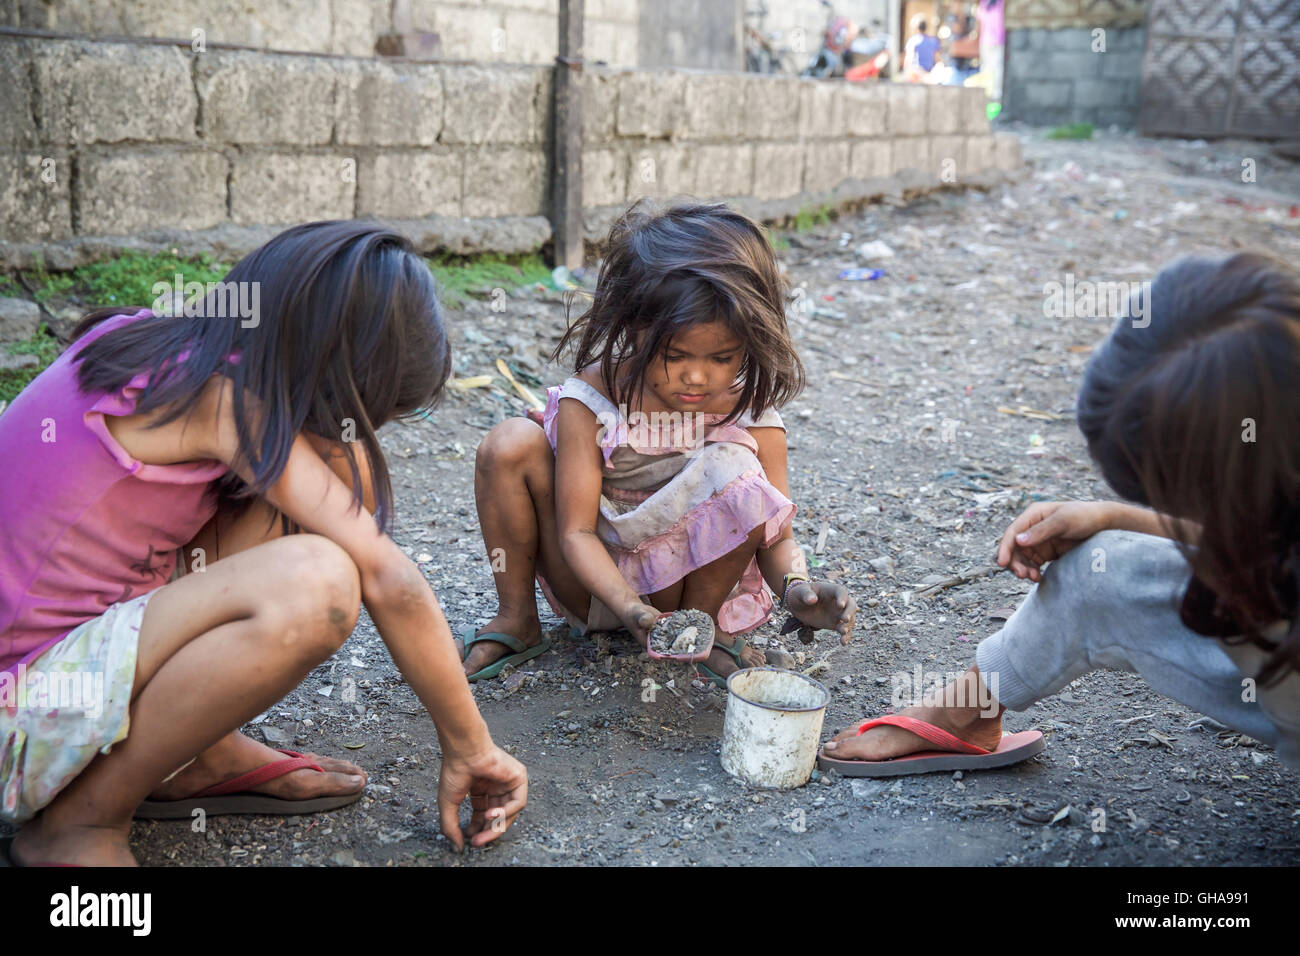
<point x="773" y="726"/>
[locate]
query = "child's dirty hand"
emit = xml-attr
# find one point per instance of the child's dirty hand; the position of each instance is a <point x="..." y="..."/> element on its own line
<point x="639" y="618"/>
<point x="1047" y="530"/>
<point x="823" y="604"/>
<point x="497" y="786"/>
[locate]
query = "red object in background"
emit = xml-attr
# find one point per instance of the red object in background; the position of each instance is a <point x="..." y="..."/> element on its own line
<point x="869" y="70"/>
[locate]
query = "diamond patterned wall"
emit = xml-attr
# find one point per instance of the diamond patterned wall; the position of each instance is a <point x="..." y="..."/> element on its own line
<point x="1222" y="67"/>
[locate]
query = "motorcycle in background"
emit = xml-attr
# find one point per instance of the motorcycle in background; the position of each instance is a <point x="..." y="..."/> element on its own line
<point x="849" y="53"/>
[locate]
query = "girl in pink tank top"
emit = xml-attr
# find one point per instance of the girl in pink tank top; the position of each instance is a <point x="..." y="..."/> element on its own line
<point x="209" y="434"/>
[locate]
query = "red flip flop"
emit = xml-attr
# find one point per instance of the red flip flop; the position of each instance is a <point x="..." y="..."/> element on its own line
<point x="955" y="753"/>
<point x="233" y="796"/>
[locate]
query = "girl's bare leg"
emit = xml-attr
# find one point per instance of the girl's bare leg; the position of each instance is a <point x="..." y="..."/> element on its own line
<point x="235" y="754"/>
<point x="514" y="489"/>
<point x="215" y="649"/>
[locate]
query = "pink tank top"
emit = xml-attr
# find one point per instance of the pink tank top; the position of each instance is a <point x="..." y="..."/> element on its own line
<point x="83" y="525"/>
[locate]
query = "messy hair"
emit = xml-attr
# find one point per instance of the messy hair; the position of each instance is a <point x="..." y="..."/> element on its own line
<point x="1194" y="410"/>
<point x="666" y="270"/>
<point x="349" y="329"/>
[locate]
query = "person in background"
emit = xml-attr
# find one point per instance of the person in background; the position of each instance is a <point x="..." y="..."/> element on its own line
<point x="991" y="15"/>
<point x="921" y="55"/>
<point x="963" y="42"/>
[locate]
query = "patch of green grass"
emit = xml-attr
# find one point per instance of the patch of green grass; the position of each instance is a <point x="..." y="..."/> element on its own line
<point x="127" y="280"/>
<point x="779" y="243"/>
<point x="460" y="277"/>
<point x="811" y="217"/>
<point x="130" y="278"/>
<point x="44" y="346"/>
<point x="1072" y="131"/>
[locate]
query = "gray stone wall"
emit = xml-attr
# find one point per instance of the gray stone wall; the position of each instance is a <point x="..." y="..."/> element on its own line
<point x="1054" y="77"/>
<point x="507" y="31"/>
<point x="105" y="145"/>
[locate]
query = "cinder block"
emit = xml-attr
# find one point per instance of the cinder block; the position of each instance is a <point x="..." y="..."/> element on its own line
<point x="125" y="191"/>
<point x="907" y="109"/>
<point x="17" y="121"/>
<point x="508" y="181"/>
<point x="380" y="104"/>
<point x="1006" y="151"/>
<point x="944" y="108"/>
<point x="871" y="159"/>
<point x="604" y="177"/>
<point x="600" y="42"/>
<point x="948" y="157"/>
<point x="778" y="170"/>
<point x="35" y="199"/>
<point x="1099" y="93"/>
<point x="974" y="109"/>
<point x="264" y="98"/>
<point x="354" y="24"/>
<point x="531" y="37"/>
<point x="713" y="106"/>
<point x="724" y="170"/>
<point x="821" y="109"/>
<point x="627" y="11"/>
<point x="395" y="185"/>
<point x="981" y="155"/>
<point x="1052" y="95"/>
<point x="465" y="33"/>
<point x="866" y="109"/>
<point x="825" y="165"/>
<point x="771" y="107"/>
<point x="910" y="153"/>
<point x="111" y="92"/>
<point x="656" y="169"/>
<point x="1121" y="64"/>
<point x="650" y="102"/>
<point x="491" y="104"/>
<point x="599" y="105"/>
<point x="282" y="188"/>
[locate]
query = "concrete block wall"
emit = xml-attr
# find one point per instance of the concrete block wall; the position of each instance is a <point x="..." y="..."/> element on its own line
<point x="1074" y="61"/>
<point x="105" y="145"/>
<point x="509" y="31"/>
<point x="1053" y="77"/>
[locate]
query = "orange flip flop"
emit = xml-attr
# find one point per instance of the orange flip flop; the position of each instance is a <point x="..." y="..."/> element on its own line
<point x="954" y="753"/>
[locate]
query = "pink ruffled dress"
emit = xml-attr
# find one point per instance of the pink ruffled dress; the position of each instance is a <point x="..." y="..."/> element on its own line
<point x="678" y="492"/>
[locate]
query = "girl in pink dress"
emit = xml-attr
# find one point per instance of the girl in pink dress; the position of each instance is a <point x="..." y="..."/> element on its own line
<point x="657" y="480"/>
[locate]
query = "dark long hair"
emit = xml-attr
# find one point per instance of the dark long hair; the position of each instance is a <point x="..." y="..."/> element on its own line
<point x="1197" y="415"/>
<point x="348" y="335"/>
<point x="665" y="271"/>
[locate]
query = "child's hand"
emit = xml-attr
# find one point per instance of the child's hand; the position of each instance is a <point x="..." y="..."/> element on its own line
<point x="497" y="786"/>
<point x="638" y="618"/>
<point x="1047" y="530"/>
<point x="823" y="604"/>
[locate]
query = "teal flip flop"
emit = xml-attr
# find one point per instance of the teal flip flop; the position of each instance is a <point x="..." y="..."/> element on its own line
<point x="734" y="650"/>
<point x="522" y="651"/>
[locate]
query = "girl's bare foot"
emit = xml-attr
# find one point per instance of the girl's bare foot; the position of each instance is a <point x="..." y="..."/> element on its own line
<point x="236" y="754"/>
<point x="484" y="653"/>
<point x="964" y="708"/>
<point x="40" y="843"/>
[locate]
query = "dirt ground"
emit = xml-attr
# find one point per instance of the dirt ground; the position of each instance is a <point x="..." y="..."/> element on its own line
<point x="903" y="451"/>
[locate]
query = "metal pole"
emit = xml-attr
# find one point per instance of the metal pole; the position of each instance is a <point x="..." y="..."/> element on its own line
<point x="566" y="208"/>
